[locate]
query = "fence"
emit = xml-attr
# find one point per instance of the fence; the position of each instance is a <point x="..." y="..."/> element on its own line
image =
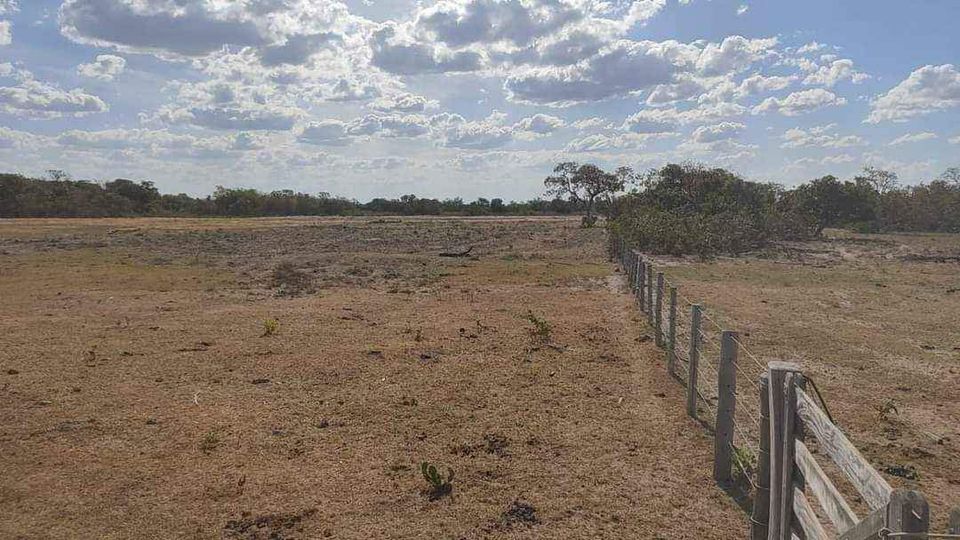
<point x="760" y="434"/>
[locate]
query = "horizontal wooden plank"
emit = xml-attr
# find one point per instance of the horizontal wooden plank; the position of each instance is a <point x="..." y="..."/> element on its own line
<point x="830" y="499"/>
<point x="807" y="518"/>
<point x="869" y="527"/>
<point x="868" y="482"/>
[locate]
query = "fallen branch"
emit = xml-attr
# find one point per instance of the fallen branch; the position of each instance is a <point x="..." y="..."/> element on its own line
<point x="457" y="253"/>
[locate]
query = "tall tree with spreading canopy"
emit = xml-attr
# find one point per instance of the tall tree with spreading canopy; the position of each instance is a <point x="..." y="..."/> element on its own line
<point x="583" y="184"/>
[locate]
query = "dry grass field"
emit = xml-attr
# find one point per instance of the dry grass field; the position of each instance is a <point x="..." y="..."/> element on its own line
<point x="875" y="319"/>
<point x="284" y="378"/>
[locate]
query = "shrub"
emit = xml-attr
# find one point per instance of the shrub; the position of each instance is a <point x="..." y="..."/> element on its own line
<point x="438" y="485"/>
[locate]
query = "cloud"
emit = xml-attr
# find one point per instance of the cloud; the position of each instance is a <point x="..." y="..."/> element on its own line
<point x="733" y="54"/>
<point x="540" y="124"/>
<point x="802" y="102"/>
<point x="458" y="23"/>
<point x="34" y="98"/>
<point x="617" y="70"/>
<point x="927" y="89"/>
<point x="653" y="121"/>
<point x="339" y="133"/>
<point x="325" y="133"/>
<point x="8" y="7"/>
<point x="600" y="142"/>
<point x="106" y="67"/>
<point x="811" y="47"/>
<point x="298" y="49"/>
<point x="955" y="140"/>
<point x="837" y="71"/>
<point x="729" y="91"/>
<point x="453" y="131"/>
<point x="819" y="136"/>
<point x="182" y="28"/>
<point x="397" y="53"/>
<point x="6" y="33"/>
<point x="408" y="103"/>
<point x="717" y="132"/>
<point x="591" y="123"/>
<point x="742" y="10"/>
<point x="233" y="117"/>
<point x="913" y="137"/>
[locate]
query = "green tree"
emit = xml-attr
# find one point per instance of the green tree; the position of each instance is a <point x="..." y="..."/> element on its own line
<point x="582" y="184"/>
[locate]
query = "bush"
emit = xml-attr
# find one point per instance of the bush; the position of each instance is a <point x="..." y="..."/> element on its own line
<point x="689" y="209"/>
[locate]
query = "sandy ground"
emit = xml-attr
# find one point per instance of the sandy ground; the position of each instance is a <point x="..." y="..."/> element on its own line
<point x="140" y="398"/>
<point x="874" y="320"/>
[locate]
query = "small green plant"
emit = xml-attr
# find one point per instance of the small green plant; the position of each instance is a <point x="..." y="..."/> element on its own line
<point x="541" y="328"/>
<point x="438" y="485"/>
<point x="270" y="327"/>
<point x="745" y="459"/>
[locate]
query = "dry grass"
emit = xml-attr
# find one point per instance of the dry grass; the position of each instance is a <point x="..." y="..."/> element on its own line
<point x="874" y="324"/>
<point x="140" y="398"/>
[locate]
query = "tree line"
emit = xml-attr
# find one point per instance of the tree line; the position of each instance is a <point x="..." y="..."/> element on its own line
<point x="691" y="208"/>
<point x="60" y="196"/>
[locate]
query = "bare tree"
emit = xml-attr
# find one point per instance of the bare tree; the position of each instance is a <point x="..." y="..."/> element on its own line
<point x="582" y="184"/>
<point x="881" y="180"/>
<point x="951" y="175"/>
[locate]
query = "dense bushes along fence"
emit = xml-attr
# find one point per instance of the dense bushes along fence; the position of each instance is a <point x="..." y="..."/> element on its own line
<point x="692" y="209"/>
<point x="759" y="433"/>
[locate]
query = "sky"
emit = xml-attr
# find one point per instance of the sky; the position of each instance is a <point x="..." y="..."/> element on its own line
<point x="473" y="98"/>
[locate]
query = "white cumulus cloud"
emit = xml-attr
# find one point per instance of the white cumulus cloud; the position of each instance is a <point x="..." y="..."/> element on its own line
<point x="927" y="89"/>
<point x="802" y="102"/>
<point x="913" y="137"/>
<point x="106" y="67"/>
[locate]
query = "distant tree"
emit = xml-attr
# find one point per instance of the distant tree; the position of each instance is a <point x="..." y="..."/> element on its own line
<point x="951" y="176"/>
<point x="142" y="196"/>
<point x="58" y="175"/>
<point x="582" y="184"/>
<point x="496" y="205"/>
<point x="882" y="181"/>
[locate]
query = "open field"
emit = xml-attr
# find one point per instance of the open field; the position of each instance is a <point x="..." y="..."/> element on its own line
<point x="875" y="319"/>
<point x="141" y="398"/>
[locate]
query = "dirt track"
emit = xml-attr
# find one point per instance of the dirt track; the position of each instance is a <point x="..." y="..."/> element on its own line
<point x="140" y="398"/>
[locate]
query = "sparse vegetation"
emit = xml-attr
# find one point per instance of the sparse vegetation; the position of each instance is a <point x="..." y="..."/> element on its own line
<point x="439" y="486"/>
<point x="210" y="442"/>
<point x="270" y="327"/>
<point x="541" y="328"/>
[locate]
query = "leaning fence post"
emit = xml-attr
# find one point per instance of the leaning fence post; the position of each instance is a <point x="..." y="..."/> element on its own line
<point x="761" y="499"/>
<point x="658" y="312"/>
<point x="694" y="360"/>
<point x="726" y="408"/>
<point x="672" y="333"/>
<point x="778" y="401"/>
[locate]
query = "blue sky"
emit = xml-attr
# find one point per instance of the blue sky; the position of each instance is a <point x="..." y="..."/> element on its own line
<point x="473" y="98"/>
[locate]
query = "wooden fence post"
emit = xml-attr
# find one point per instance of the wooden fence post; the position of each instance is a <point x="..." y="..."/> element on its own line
<point x="761" y="499"/>
<point x="658" y="312"/>
<point x="694" y="360"/>
<point x="778" y="372"/>
<point x="908" y="512"/>
<point x="726" y="408"/>
<point x="637" y="271"/>
<point x="953" y="525"/>
<point x="641" y="286"/>
<point x="650" y="293"/>
<point x="672" y="333"/>
<point x="788" y="466"/>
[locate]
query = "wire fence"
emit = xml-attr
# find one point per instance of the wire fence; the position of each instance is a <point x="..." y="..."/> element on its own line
<point x="704" y="341"/>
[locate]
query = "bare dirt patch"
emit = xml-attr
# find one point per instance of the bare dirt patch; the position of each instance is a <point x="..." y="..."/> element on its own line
<point x="141" y="394"/>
